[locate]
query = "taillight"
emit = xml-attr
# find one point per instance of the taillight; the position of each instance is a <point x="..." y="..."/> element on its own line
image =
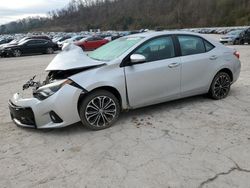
<point x="237" y="54"/>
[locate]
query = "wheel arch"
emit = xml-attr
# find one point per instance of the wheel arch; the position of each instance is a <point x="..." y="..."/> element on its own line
<point x="228" y="71"/>
<point x="110" y="89"/>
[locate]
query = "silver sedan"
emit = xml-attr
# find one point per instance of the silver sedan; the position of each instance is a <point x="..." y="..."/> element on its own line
<point x="128" y="73"/>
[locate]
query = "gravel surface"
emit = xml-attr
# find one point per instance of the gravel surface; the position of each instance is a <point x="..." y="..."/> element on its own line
<point x="193" y="142"/>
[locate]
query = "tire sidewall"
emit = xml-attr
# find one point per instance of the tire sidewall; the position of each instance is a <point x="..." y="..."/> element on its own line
<point x="88" y="98"/>
<point x="211" y="91"/>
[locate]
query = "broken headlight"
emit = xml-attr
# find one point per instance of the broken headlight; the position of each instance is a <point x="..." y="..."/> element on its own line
<point x="46" y="91"/>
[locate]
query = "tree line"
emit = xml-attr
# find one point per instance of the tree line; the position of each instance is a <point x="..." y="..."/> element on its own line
<point x="82" y="15"/>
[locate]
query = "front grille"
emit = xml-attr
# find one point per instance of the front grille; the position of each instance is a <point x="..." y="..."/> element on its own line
<point x="24" y="115"/>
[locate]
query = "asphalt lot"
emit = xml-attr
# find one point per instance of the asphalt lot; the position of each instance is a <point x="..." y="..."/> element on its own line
<point x="193" y="142"/>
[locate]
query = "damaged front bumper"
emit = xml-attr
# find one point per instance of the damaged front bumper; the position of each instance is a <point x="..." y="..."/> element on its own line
<point x="58" y="110"/>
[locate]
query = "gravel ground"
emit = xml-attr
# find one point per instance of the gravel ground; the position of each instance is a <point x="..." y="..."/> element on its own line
<point x="193" y="142"/>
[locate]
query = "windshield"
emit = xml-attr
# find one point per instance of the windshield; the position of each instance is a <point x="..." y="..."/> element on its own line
<point x="21" y="42"/>
<point x="114" y="49"/>
<point x="237" y="32"/>
<point x="13" y="42"/>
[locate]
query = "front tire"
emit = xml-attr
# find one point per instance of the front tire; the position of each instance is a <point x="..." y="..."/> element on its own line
<point x="99" y="110"/>
<point x="17" y="53"/>
<point x="220" y="86"/>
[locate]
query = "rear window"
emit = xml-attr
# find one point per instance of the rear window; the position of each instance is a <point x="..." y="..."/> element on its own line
<point x="191" y="45"/>
<point x="208" y="46"/>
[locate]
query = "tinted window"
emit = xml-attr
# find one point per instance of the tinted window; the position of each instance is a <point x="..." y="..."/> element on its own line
<point x="91" y="39"/>
<point x="36" y="42"/>
<point x="42" y="42"/>
<point x="208" y="46"/>
<point x="157" y="49"/>
<point x="31" y="42"/>
<point x="191" y="45"/>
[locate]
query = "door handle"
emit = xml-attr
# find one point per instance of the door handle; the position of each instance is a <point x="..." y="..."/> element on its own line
<point x="173" y="65"/>
<point x="213" y="57"/>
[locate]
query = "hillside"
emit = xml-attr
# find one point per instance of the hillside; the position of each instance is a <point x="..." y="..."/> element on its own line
<point x="137" y="14"/>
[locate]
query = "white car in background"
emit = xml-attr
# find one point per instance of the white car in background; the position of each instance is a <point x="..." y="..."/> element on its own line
<point x="70" y="40"/>
<point x="127" y="73"/>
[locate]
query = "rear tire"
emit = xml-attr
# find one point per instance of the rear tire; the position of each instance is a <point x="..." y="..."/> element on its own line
<point x="220" y="86"/>
<point x="99" y="110"/>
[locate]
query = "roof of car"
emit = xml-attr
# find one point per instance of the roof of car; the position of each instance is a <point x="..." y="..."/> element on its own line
<point x="159" y="33"/>
<point x="152" y="34"/>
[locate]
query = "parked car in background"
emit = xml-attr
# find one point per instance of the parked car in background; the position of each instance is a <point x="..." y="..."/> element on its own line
<point x="246" y="36"/>
<point x="69" y="40"/>
<point x="30" y="46"/>
<point x="91" y="43"/>
<point x="60" y="39"/>
<point x="127" y="73"/>
<point x="233" y="37"/>
<point x="16" y="41"/>
<point x="5" y="40"/>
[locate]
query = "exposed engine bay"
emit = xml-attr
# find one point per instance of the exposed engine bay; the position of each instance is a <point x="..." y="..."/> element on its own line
<point x="72" y="60"/>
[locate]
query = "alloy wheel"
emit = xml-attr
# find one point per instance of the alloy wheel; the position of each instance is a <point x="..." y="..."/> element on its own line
<point x="17" y="53"/>
<point x="222" y="86"/>
<point x="101" y="111"/>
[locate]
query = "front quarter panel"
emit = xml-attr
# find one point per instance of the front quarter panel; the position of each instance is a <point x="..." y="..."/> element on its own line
<point x="110" y="75"/>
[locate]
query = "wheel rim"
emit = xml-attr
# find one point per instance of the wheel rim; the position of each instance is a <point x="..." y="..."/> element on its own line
<point x="17" y="53"/>
<point x="222" y="86"/>
<point x="100" y="111"/>
<point x="49" y="50"/>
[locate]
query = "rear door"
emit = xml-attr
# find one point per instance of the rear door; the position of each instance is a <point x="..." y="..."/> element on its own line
<point x="97" y="42"/>
<point x="197" y="60"/>
<point x="91" y="43"/>
<point x="28" y="47"/>
<point x="36" y="46"/>
<point x="156" y="80"/>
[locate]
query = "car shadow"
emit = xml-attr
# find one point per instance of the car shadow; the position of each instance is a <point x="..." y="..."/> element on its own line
<point x="149" y="110"/>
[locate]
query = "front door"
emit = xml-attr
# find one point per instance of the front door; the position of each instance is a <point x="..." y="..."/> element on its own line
<point x="156" y="80"/>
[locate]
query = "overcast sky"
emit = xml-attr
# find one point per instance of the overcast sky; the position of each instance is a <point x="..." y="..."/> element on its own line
<point x="11" y="10"/>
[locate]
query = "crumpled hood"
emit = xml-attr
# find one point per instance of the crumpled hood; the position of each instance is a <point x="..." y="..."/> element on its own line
<point x="72" y="57"/>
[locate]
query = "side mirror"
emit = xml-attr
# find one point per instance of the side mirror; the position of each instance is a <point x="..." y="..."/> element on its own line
<point x="137" y="58"/>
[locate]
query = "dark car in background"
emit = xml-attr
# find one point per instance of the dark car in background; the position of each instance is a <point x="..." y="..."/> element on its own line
<point x="240" y="36"/>
<point x="91" y="43"/>
<point x="30" y="46"/>
<point x="16" y="41"/>
<point x="233" y="37"/>
<point x="246" y="36"/>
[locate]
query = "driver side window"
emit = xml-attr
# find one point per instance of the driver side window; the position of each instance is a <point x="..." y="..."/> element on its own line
<point x="157" y="49"/>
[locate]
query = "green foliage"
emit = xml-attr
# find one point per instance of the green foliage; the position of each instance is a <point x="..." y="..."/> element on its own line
<point x="137" y="14"/>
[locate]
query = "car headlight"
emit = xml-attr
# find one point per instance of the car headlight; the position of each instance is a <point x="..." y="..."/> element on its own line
<point x="46" y="91"/>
